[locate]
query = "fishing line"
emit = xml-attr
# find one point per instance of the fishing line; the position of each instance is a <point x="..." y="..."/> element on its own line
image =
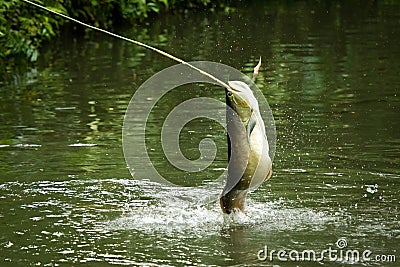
<point x="221" y="83"/>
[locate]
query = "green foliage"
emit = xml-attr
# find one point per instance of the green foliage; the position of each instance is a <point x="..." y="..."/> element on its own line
<point x="24" y="28"/>
<point x="105" y="13"/>
<point x="23" y="31"/>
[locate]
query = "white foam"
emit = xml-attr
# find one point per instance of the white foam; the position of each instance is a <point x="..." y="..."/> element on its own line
<point x="177" y="213"/>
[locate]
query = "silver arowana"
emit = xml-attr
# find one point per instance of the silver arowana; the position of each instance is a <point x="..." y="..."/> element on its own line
<point x="250" y="165"/>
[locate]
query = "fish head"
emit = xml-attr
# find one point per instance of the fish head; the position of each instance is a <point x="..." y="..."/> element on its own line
<point x="241" y="99"/>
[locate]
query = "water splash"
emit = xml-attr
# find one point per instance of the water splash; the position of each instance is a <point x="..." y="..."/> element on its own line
<point x="177" y="211"/>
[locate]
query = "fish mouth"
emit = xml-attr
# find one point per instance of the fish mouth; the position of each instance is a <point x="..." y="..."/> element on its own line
<point x="232" y="88"/>
<point x="233" y="201"/>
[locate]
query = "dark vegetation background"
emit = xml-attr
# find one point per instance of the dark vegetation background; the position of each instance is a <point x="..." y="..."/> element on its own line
<point x="24" y="28"/>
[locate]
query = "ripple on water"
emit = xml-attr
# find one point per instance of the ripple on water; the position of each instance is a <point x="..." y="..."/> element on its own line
<point x="151" y="208"/>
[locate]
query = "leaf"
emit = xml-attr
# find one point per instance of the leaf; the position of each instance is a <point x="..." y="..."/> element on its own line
<point x="256" y="69"/>
<point x="34" y="55"/>
<point x="165" y="2"/>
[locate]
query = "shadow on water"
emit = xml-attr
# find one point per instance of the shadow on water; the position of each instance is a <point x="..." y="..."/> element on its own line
<point x="331" y="77"/>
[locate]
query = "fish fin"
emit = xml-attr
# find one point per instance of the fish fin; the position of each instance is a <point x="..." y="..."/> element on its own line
<point x="250" y="126"/>
<point x="256" y="69"/>
<point x="268" y="174"/>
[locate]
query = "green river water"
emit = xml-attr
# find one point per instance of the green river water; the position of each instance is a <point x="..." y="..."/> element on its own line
<point x="331" y="75"/>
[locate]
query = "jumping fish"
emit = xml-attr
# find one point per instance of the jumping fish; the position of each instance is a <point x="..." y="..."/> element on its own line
<point x="249" y="161"/>
<point x="248" y="149"/>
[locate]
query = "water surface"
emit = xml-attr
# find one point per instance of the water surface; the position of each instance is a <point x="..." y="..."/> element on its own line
<point x="331" y="77"/>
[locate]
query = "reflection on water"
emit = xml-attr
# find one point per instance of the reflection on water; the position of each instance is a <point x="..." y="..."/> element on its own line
<point x="331" y="77"/>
